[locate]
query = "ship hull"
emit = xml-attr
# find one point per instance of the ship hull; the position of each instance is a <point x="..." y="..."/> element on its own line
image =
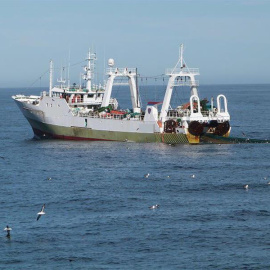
<point x="57" y="122"/>
<point x="44" y="130"/>
<point x="53" y="118"/>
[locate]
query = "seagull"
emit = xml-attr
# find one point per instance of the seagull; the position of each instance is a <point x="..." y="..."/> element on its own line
<point x="154" y="206"/>
<point x="245" y="186"/>
<point x="8" y="229"/>
<point x="41" y="212"/>
<point x="49" y="178"/>
<point x="268" y="183"/>
<point x="193" y="176"/>
<point x="147" y="175"/>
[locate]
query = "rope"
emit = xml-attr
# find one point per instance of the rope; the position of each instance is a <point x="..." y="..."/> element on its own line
<point x="39" y="78"/>
<point x="75" y="64"/>
<point x="152" y="77"/>
<point x="46" y="72"/>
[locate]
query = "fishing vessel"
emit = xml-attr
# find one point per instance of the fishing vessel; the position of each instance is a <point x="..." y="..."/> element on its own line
<point x="90" y="112"/>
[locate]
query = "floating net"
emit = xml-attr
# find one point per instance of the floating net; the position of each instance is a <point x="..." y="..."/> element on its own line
<point x="210" y="138"/>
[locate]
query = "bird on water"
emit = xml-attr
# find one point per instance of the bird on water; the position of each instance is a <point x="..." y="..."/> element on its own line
<point x="8" y="229"/>
<point x="154" y="206"/>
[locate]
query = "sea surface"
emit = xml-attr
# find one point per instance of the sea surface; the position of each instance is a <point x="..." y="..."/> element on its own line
<point x="97" y="201"/>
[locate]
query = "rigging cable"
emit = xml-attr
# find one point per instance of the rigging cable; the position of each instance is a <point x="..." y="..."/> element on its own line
<point x="46" y="72"/>
<point x="39" y="78"/>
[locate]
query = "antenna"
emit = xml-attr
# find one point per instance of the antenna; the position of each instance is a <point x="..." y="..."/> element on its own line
<point x="180" y="60"/>
<point x="137" y="90"/>
<point x="61" y="80"/>
<point x="68" y="79"/>
<point x="181" y="55"/>
<point x="104" y="63"/>
<point x="51" y="78"/>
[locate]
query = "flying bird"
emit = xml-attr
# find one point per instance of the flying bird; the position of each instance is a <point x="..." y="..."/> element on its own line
<point x="41" y="212"/>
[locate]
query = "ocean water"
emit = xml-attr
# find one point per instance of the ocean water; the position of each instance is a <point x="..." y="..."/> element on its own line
<point x="97" y="200"/>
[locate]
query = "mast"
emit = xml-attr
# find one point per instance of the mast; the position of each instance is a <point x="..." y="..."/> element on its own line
<point x="181" y="55"/>
<point x="137" y="90"/>
<point x="51" y="78"/>
<point x="61" y="80"/>
<point x="88" y="72"/>
<point x="179" y="71"/>
<point x="68" y="78"/>
<point x="89" y="68"/>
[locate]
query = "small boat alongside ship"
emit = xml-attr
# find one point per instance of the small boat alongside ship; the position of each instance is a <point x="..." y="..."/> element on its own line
<point x="90" y="112"/>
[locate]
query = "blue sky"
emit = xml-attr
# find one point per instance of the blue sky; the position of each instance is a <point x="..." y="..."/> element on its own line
<point x="228" y="40"/>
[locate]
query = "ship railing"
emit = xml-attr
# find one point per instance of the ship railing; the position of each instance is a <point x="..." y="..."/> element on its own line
<point x="82" y="102"/>
<point x="95" y="87"/>
<point x="120" y="83"/>
<point x="121" y="71"/>
<point x="205" y="113"/>
<point x="174" y="114"/>
<point x="186" y="83"/>
<point x="106" y="116"/>
<point x="182" y="71"/>
<point x="71" y="88"/>
<point x="76" y="101"/>
<point x="178" y="113"/>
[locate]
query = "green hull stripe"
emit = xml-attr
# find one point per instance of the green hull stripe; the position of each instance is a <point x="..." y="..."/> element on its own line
<point x="86" y="133"/>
